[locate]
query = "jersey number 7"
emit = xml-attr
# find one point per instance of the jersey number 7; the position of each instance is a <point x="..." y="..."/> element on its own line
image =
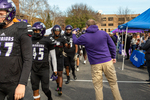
<point x="8" y="45"/>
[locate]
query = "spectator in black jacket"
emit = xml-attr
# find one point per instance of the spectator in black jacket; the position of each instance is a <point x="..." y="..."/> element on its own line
<point x="128" y="43"/>
<point x="146" y="47"/>
<point x="113" y="38"/>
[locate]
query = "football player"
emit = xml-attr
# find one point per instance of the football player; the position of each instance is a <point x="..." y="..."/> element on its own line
<point x="71" y="52"/>
<point x="40" y="67"/>
<point x="15" y="53"/>
<point x="60" y="43"/>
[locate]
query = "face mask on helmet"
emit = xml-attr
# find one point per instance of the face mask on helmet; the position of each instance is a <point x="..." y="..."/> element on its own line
<point x="68" y="30"/>
<point x="57" y="33"/>
<point x="57" y="30"/>
<point x="10" y="8"/>
<point x="37" y="33"/>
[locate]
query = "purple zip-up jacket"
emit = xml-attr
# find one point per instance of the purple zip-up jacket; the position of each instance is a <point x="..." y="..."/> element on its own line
<point x="98" y="44"/>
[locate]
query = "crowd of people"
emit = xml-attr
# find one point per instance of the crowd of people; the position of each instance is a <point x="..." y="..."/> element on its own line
<point x="135" y="41"/>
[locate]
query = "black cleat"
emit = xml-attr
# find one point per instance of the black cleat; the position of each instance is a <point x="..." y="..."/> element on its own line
<point x="68" y="80"/>
<point x="74" y="77"/>
<point x="148" y="80"/>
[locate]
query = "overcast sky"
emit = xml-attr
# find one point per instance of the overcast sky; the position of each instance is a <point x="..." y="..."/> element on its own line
<point x="107" y="6"/>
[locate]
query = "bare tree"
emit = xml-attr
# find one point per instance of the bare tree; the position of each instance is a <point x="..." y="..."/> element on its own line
<point x="124" y="14"/>
<point x="31" y="8"/>
<point x="56" y="14"/>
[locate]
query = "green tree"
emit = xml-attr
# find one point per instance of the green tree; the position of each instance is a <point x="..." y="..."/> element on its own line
<point x="78" y="14"/>
<point x="48" y="22"/>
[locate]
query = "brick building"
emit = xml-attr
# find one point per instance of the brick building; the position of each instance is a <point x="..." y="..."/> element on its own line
<point x="110" y="22"/>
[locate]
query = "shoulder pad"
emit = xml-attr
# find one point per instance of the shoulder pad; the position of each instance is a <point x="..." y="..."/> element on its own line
<point x="52" y="39"/>
<point x="24" y="27"/>
<point x="22" y="24"/>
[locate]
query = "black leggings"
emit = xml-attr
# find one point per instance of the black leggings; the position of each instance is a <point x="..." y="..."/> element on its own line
<point x="43" y="76"/>
<point x="69" y="61"/>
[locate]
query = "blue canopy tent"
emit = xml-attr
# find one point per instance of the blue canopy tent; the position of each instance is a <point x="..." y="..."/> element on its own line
<point x="140" y="22"/>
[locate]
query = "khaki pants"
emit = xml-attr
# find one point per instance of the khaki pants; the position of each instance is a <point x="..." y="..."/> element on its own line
<point x="97" y="77"/>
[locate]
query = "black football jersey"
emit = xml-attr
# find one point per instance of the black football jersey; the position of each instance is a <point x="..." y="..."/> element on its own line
<point x="15" y="53"/>
<point x="41" y="48"/>
<point x="69" y="40"/>
<point x="59" y="46"/>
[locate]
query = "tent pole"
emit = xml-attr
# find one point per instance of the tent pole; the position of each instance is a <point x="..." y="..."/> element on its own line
<point x="122" y="41"/>
<point x="124" y="48"/>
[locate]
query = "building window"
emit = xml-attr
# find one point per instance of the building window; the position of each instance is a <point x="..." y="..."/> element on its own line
<point x="103" y="24"/>
<point x="110" y="24"/>
<point x="105" y="30"/>
<point x="103" y="19"/>
<point x="110" y="18"/>
<point x="108" y="30"/>
<point x="133" y="17"/>
<point x="102" y="29"/>
<point x="121" y="19"/>
<point x="127" y="19"/>
<point x="120" y="23"/>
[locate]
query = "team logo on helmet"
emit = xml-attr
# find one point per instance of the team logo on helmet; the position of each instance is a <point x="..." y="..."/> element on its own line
<point x="43" y="25"/>
<point x="57" y="29"/>
<point x="68" y="28"/>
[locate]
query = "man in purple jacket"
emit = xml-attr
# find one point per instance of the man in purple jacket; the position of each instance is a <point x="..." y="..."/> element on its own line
<point x="101" y="53"/>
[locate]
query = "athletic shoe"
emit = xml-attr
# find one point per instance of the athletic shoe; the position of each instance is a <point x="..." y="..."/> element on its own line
<point x="84" y="62"/>
<point x="57" y="89"/>
<point x="77" y="69"/>
<point x="59" y="93"/>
